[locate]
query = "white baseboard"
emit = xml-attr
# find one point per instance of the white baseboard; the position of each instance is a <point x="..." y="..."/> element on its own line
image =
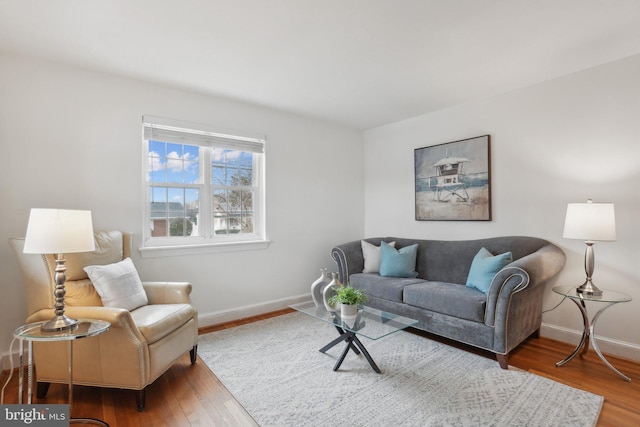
<point x="215" y="318"/>
<point x="626" y="350"/>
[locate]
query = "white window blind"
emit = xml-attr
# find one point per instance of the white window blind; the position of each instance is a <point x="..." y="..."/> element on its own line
<point x="182" y="135"/>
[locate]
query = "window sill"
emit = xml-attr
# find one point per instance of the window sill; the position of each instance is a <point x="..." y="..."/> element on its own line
<point x="206" y="248"/>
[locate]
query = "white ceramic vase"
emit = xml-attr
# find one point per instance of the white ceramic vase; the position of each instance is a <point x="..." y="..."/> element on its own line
<point x="318" y="286"/>
<point x="330" y="291"/>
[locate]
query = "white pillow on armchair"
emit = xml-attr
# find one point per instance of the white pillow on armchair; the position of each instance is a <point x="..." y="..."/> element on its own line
<point x="118" y="284"/>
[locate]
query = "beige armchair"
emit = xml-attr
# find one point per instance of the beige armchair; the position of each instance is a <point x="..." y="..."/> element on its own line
<point x="139" y="346"/>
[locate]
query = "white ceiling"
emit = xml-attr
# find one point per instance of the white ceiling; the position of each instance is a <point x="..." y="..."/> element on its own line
<point x="362" y="63"/>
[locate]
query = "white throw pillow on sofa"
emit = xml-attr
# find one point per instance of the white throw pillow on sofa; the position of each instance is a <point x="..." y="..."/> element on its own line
<point x="371" y="254"/>
<point x="118" y="284"/>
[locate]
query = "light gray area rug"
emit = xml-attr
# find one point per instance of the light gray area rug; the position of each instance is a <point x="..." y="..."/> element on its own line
<point x="274" y="369"/>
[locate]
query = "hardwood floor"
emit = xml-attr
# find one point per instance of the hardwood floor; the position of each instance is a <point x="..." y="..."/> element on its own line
<point x="190" y="395"/>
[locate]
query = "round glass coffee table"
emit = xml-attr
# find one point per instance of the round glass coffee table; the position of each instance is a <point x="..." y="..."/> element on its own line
<point x="31" y="332"/>
<point x="609" y="298"/>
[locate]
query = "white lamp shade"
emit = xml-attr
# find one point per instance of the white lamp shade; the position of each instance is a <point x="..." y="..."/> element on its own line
<point x="59" y="231"/>
<point x="590" y="222"/>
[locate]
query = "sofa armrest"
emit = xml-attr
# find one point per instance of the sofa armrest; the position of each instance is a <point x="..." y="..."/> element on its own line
<point x="349" y="258"/>
<point x="509" y="280"/>
<point x="118" y="317"/>
<point x="168" y="292"/>
<point x="119" y="358"/>
<point x="543" y="264"/>
<point x="529" y="271"/>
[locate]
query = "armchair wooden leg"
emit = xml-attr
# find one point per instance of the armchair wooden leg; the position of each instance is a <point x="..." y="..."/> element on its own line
<point x="42" y="389"/>
<point x="503" y="360"/>
<point x="193" y="354"/>
<point x="141" y="397"/>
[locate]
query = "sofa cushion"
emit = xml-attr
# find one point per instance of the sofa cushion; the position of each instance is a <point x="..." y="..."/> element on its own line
<point x="398" y="262"/>
<point x="374" y="285"/>
<point x="484" y="267"/>
<point x="371" y="255"/>
<point x="156" y="321"/>
<point x="447" y="298"/>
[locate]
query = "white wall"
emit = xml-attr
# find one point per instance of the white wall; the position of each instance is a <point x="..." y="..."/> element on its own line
<point x="565" y="140"/>
<point x="72" y="139"/>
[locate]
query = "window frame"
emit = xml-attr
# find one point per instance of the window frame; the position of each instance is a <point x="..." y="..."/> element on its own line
<point x="206" y="138"/>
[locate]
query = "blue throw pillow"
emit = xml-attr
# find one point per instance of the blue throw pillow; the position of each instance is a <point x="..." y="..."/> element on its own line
<point x="398" y="262"/>
<point x="484" y="268"/>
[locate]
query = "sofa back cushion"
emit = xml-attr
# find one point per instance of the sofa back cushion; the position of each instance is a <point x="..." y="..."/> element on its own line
<point x="110" y="248"/>
<point x="450" y="261"/>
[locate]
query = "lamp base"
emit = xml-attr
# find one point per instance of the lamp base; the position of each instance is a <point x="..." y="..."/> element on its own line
<point x="59" y="323"/>
<point x="588" y="288"/>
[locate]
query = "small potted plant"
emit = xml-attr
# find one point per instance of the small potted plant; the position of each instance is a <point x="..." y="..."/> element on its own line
<point x="348" y="298"/>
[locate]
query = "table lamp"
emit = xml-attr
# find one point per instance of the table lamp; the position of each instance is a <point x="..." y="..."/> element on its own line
<point x="59" y="231"/>
<point x="591" y="222"/>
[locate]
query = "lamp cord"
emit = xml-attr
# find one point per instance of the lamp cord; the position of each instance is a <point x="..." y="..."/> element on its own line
<point x="556" y="306"/>
<point x="10" y="370"/>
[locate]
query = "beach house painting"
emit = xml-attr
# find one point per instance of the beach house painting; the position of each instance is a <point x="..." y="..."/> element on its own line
<point x="452" y="181"/>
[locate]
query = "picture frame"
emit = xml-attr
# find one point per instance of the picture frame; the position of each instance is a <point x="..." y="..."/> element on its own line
<point x="453" y="181"/>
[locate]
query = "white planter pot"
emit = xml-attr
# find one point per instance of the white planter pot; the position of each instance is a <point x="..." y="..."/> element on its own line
<point x="348" y="311"/>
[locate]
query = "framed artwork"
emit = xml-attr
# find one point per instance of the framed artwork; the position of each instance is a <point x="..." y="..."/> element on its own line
<point x="453" y="181"/>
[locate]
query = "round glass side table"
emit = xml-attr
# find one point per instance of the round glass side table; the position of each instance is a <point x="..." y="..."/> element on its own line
<point x="609" y="298"/>
<point x="31" y="332"/>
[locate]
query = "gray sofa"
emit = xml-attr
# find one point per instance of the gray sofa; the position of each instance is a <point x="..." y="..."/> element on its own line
<point x="498" y="321"/>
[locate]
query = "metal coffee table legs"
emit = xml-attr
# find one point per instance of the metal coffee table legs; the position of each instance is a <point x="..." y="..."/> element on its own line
<point x="353" y="343"/>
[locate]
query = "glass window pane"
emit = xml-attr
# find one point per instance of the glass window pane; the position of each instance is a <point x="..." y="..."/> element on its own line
<point x="157" y="159"/>
<point x="158" y="211"/>
<point x="192" y="204"/>
<point x="246" y="176"/>
<point x="176" y="211"/>
<point x="247" y="212"/>
<point x="231" y="167"/>
<point x="220" y="211"/>
<point x="233" y="176"/>
<point x="247" y="224"/>
<point x="174" y="167"/>
<point x="158" y="147"/>
<point x="174" y="163"/>
<point x="191" y="172"/>
<point x="174" y="149"/>
<point x="245" y="159"/>
<point x="218" y="175"/>
<point x="238" y="212"/>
